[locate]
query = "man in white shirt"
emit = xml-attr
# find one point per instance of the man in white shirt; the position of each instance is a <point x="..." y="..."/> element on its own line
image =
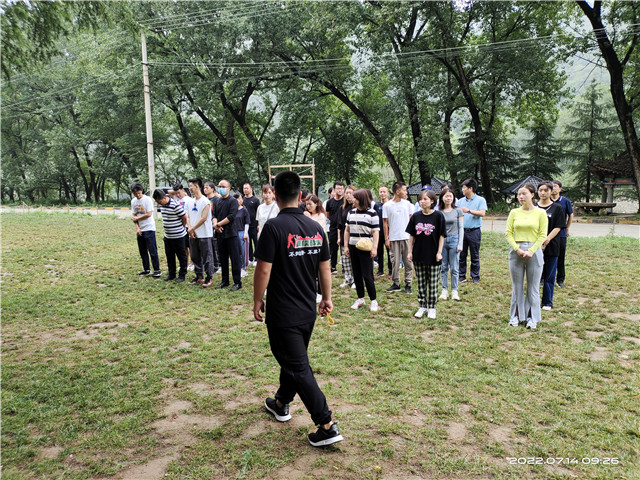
<point x="142" y="216"/>
<point x="395" y="216"/>
<point x="200" y="232"/>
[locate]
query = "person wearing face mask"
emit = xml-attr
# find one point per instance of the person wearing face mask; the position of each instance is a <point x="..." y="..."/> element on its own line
<point x="526" y="231"/>
<point x="228" y="245"/>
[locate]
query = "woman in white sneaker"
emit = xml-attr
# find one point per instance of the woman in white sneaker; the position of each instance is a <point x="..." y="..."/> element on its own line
<point x="361" y="235"/>
<point x="427" y="230"/>
<point x="526" y="231"/>
<point x="453" y="218"/>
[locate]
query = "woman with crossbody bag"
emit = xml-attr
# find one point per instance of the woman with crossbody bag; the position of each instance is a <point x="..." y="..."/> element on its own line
<point x="361" y="234"/>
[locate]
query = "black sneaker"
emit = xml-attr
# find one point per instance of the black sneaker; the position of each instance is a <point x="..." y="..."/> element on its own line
<point x="476" y="280"/>
<point x="407" y="289"/>
<point x="144" y="272"/>
<point x="324" y="437"/>
<point x="168" y="278"/>
<point x="561" y="284"/>
<point x="394" y="288"/>
<point x="462" y="279"/>
<point x="281" y="414"/>
<point x="334" y="270"/>
<point x="179" y="279"/>
<point x="157" y="274"/>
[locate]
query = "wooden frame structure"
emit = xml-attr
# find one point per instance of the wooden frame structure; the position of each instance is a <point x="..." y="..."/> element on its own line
<point x="291" y="167"/>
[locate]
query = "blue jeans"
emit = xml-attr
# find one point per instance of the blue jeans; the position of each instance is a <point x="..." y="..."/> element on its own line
<point x="148" y="248"/>
<point x="549" y="277"/>
<point x="450" y="260"/>
<point x="470" y="243"/>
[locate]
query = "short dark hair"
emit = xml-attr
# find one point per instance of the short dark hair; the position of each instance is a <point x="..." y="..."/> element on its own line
<point x="178" y="186"/>
<point x="338" y="183"/>
<point x="197" y="181"/>
<point x="158" y="194"/>
<point x="287" y="186"/>
<point x="547" y="184"/>
<point x="137" y="187"/>
<point x="470" y="183"/>
<point x="330" y="190"/>
<point x="210" y="185"/>
<point x="397" y="186"/>
<point x="305" y="194"/>
<point x="557" y="182"/>
<point x="529" y="187"/>
<point x="429" y="193"/>
<point x="236" y="196"/>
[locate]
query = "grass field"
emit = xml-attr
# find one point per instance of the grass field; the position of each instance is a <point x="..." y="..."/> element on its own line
<point x="108" y="375"/>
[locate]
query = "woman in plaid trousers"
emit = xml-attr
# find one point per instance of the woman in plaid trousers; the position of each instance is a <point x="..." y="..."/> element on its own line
<point x="428" y="230"/>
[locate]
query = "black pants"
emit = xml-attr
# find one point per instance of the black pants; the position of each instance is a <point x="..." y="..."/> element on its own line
<point x="362" y="265"/>
<point x="470" y="243"/>
<point x="229" y="248"/>
<point x="562" y="242"/>
<point x="148" y="248"/>
<point x="214" y="252"/>
<point x="289" y="347"/>
<point x="253" y="241"/>
<point x="334" y="247"/>
<point x="380" y="257"/>
<point x="176" y="247"/>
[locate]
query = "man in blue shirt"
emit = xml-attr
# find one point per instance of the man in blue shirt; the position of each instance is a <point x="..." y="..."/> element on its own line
<point x="474" y="208"/>
<point x="564" y="233"/>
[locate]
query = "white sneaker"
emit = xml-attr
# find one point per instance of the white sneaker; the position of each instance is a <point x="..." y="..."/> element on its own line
<point x="243" y="273"/>
<point x="531" y="325"/>
<point x="454" y="295"/>
<point x="421" y="311"/>
<point x="254" y="263"/>
<point x="318" y="298"/>
<point x="358" y="303"/>
<point x="547" y="307"/>
<point x="219" y="270"/>
<point x="344" y="284"/>
<point x="444" y="295"/>
<point x="340" y="261"/>
<point x="431" y="313"/>
<point x="353" y="285"/>
<point x="514" y="322"/>
<point x="191" y="267"/>
<point x="374" y="306"/>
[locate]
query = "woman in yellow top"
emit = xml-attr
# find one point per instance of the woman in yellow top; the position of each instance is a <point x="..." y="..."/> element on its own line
<point x="526" y="230"/>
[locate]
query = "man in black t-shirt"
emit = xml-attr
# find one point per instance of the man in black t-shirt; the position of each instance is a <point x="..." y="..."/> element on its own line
<point x="251" y="203"/>
<point x="333" y="212"/>
<point x="228" y="242"/>
<point x="291" y="253"/>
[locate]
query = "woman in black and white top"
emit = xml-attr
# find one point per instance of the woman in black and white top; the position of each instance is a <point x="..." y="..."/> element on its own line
<point x="362" y="223"/>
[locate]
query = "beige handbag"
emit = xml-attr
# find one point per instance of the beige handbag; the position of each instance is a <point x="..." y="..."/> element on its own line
<point x="364" y="244"/>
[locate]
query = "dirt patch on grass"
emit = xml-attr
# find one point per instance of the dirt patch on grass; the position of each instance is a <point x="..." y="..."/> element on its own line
<point x="634" y="317"/>
<point x="593" y="334"/>
<point x="600" y="353"/>
<point x="427" y="335"/>
<point x="301" y="468"/>
<point x="632" y="339"/>
<point x="49" y="452"/>
<point x="152" y="470"/>
<point x="200" y="388"/>
<point x="456" y="431"/>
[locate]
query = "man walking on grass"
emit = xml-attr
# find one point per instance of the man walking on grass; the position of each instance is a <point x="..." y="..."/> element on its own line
<point x="142" y="216"/>
<point x="291" y="253"/>
<point x="333" y="212"/>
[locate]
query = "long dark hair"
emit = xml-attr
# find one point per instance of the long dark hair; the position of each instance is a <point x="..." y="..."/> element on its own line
<point x="319" y="207"/>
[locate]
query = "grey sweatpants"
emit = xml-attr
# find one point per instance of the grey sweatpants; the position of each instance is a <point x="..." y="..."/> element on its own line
<point x="399" y="251"/>
<point x="531" y="268"/>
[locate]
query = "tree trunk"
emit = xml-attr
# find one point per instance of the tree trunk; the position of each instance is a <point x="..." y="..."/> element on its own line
<point x="448" y="150"/>
<point x="87" y="189"/>
<point x="616" y="69"/>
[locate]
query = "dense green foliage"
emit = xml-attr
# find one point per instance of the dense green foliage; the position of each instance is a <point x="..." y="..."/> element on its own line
<point x="369" y="92"/>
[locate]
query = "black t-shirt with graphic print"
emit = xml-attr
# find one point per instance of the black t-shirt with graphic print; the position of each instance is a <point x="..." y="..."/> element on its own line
<point x="295" y="245"/>
<point x="426" y="231"/>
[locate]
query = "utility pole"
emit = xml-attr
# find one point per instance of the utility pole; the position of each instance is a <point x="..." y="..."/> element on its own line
<point x="147" y="114"/>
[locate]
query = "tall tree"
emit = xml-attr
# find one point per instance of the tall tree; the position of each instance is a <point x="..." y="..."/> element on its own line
<point x="617" y="36"/>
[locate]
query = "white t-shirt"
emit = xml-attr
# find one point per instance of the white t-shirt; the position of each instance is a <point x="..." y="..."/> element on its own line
<point x="264" y="213"/>
<point x="140" y="207"/>
<point x="398" y="214"/>
<point x="196" y="207"/>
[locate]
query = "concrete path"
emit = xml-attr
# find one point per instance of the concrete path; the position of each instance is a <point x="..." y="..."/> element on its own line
<point x="489" y="224"/>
